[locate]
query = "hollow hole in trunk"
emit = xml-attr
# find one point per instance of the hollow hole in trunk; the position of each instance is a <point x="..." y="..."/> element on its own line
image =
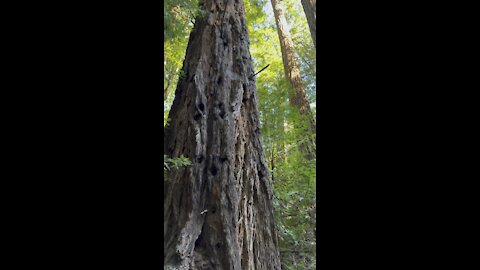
<point x="218" y="245"/>
<point x="213" y="170"/>
<point x="214" y="210"/>
<point x="197" y="116"/>
<point x="201" y="107"/>
<point x="260" y="174"/>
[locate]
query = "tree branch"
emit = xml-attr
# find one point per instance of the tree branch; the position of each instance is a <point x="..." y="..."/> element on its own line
<point x="259" y="71"/>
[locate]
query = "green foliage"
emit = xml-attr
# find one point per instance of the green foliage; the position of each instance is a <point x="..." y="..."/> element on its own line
<point x="178" y="15"/>
<point x="174" y="163"/>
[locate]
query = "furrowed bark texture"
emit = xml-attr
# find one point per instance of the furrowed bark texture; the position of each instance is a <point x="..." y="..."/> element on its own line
<point x="310" y="9"/>
<point x="298" y="97"/>
<point x="218" y="212"/>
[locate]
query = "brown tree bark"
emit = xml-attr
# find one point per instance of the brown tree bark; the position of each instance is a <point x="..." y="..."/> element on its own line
<point x="298" y="97"/>
<point x="218" y="212"/>
<point x="310" y="9"/>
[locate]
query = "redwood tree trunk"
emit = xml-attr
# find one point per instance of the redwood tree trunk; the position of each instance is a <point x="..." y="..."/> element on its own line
<point x="218" y="212"/>
<point x="310" y="9"/>
<point x="298" y="97"/>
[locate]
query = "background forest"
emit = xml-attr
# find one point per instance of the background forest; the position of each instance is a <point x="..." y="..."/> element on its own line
<point x="287" y="134"/>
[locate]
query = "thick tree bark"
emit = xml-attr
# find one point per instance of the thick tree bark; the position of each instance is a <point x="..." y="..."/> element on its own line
<point x="218" y="212"/>
<point x="298" y="97"/>
<point x="310" y="9"/>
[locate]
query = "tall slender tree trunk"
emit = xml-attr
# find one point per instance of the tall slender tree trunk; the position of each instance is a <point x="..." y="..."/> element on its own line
<point x="218" y="212"/>
<point x="310" y="9"/>
<point x="298" y="97"/>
